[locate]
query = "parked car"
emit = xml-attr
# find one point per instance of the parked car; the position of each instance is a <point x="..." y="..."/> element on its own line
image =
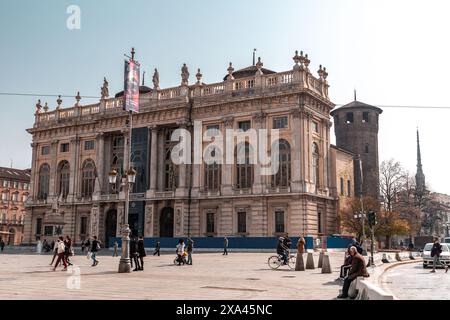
<point x="444" y="258"/>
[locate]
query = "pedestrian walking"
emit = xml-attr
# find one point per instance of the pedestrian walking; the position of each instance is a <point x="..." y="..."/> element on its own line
<point x="55" y="252"/>
<point x="436" y="251"/>
<point x="45" y="245"/>
<point x="2" y="245"/>
<point x="190" y="249"/>
<point x="68" y="250"/>
<point x="180" y="251"/>
<point x="61" y="251"/>
<point x="83" y="245"/>
<point x="94" y="249"/>
<point x="141" y="252"/>
<point x="225" y="246"/>
<point x="358" y="269"/>
<point x="134" y="254"/>
<point x="116" y="247"/>
<point x="157" y="248"/>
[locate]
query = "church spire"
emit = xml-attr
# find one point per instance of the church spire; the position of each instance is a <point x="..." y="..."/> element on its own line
<point x="420" y="177"/>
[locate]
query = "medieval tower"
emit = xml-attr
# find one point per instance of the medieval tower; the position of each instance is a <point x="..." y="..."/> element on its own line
<point x="356" y="129"/>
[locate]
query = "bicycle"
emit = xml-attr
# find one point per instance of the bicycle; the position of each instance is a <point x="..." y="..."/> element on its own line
<point x="275" y="262"/>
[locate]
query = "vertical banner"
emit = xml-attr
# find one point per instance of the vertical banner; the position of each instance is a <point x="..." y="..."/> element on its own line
<point x="131" y="86"/>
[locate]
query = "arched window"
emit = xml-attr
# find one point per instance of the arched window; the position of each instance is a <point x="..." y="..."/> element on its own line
<point x="63" y="179"/>
<point x="87" y="178"/>
<point x="213" y="170"/>
<point x="315" y="163"/>
<point x="44" y="181"/>
<point x="283" y="177"/>
<point x="244" y="167"/>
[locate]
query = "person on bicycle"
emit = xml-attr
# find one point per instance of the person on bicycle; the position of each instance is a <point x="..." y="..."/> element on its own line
<point x="282" y="249"/>
<point x="287" y="244"/>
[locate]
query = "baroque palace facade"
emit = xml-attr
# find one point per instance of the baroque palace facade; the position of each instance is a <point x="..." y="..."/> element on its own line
<point x="75" y="148"/>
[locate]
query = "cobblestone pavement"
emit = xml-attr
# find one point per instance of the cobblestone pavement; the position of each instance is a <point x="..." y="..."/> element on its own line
<point x="212" y="276"/>
<point x="413" y="282"/>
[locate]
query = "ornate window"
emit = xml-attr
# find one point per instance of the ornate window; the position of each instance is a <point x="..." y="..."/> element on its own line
<point x="83" y="226"/>
<point x="319" y="222"/>
<point x="87" y="178"/>
<point x="283" y="177"/>
<point x="280" y="123"/>
<point x="245" y="125"/>
<point x="213" y="170"/>
<point x="279" y="221"/>
<point x="63" y="179"/>
<point x="242" y="222"/>
<point x="315" y="162"/>
<point x="210" y="228"/>
<point x="38" y="226"/>
<point x="44" y="181"/>
<point x="45" y="150"/>
<point x="244" y="167"/>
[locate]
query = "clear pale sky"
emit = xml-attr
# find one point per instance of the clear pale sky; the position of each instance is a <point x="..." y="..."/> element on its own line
<point x="392" y="52"/>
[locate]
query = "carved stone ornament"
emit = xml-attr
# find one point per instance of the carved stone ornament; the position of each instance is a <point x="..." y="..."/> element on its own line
<point x="184" y="74"/>
<point x="104" y="89"/>
<point x="155" y="79"/>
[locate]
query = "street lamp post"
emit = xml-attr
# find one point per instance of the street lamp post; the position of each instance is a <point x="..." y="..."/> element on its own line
<point x="125" y="264"/>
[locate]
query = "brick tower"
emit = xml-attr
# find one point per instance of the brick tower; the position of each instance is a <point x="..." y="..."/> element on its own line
<point x="356" y="129"/>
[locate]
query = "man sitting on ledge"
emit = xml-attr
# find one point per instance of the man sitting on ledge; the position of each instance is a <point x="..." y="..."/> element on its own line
<point x="358" y="269"/>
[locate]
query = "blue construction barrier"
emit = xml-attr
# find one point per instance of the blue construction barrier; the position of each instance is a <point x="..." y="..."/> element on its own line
<point x="333" y="242"/>
<point x="217" y="242"/>
<point x="336" y="242"/>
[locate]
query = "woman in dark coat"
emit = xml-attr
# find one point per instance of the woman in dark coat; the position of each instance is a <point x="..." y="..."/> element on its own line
<point x="141" y="251"/>
<point x="134" y="254"/>
<point x="68" y="250"/>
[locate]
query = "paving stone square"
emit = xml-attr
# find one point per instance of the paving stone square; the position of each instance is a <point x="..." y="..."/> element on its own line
<point x="212" y="276"/>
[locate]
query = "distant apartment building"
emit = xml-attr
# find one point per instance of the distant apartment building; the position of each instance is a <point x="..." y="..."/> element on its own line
<point x="14" y="188"/>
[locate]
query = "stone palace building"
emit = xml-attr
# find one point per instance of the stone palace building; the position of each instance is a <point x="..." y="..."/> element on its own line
<point x="75" y="148"/>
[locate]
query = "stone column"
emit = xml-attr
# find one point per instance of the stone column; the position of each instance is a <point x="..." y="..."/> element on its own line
<point x="94" y="220"/>
<point x="100" y="163"/>
<point x="227" y="169"/>
<point x="153" y="160"/>
<point x="160" y="164"/>
<point x="181" y="190"/>
<point x="34" y="171"/>
<point x="149" y="212"/>
<point x="74" y="164"/>
<point x="296" y="152"/>
<point x="53" y="169"/>
<point x="259" y="120"/>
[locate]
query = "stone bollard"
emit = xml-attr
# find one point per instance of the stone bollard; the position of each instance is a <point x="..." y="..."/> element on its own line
<point x="326" y="266"/>
<point x="299" y="263"/>
<point x="397" y="256"/>
<point x="319" y="265"/>
<point x="411" y="256"/>
<point x="384" y="259"/>
<point x="310" y="261"/>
